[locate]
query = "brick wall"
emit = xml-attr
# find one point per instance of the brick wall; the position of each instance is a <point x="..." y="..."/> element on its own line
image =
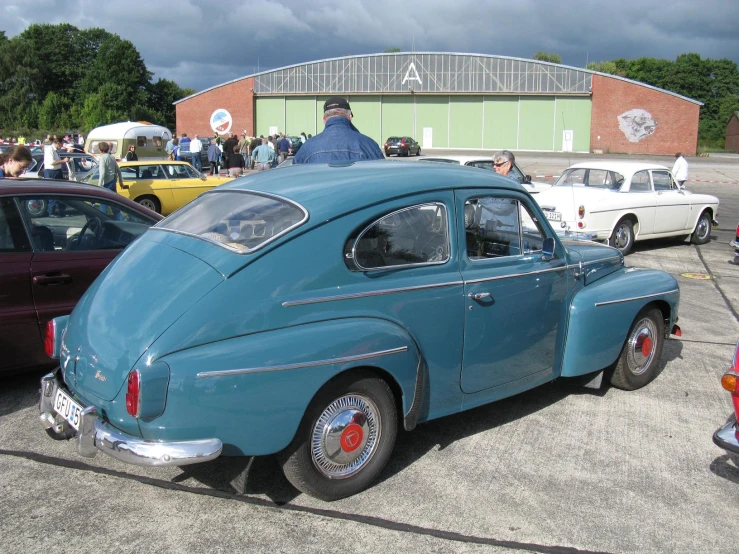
<point x="676" y="129"/>
<point x="732" y="134"/>
<point x="193" y="115"/>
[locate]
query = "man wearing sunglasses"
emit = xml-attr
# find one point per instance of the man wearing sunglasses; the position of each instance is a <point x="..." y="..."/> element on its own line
<point x="503" y="161"/>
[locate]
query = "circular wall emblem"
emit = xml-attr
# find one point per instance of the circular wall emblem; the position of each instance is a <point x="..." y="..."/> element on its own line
<point x="351" y="438"/>
<point x="699" y="276"/>
<point x="220" y="121"/>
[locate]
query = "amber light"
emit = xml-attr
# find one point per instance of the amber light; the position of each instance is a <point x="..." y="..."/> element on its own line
<point x="49" y="339"/>
<point x="133" y="393"/>
<point x="729" y="382"/>
<point x="581" y="212"/>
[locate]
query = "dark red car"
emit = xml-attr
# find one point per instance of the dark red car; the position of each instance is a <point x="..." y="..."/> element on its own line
<point x="55" y="239"/>
<point x="727" y="437"/>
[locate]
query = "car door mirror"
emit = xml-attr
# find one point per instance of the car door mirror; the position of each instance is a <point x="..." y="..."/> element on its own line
<point x="527" y="179"/>
<point x="547" y="250"/>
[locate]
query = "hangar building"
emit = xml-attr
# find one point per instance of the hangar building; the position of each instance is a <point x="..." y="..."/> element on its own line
<point x="456" y="101"/>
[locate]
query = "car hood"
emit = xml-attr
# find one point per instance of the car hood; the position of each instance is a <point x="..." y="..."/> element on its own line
<point x="144" y="291"/>
<point x="598" y="260"/>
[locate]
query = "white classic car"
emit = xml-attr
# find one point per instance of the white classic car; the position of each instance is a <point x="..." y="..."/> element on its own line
<point x="483" y="162"/>
<point x="622" y="202"/>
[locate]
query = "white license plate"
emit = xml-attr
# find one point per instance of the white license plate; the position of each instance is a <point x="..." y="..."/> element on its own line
<point x="68" y="409"/>
<point x="554" y="216"/>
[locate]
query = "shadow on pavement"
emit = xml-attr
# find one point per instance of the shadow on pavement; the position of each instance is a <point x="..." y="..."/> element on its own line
<point x="20" y="391"/>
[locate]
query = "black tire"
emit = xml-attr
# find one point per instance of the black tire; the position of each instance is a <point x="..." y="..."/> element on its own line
<point x="357" y="417"/>
<point x="623" y="236"/>
<point x="151" y="202"/>
<point x="641" y="352"/>
<point x="702" y="232"/>
<point x="418" y="152"/>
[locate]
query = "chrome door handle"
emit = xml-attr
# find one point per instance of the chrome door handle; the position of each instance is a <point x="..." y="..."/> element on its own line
<point x="478" y="296"/>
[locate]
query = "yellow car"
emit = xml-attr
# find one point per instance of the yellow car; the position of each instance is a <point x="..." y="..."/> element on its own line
<point x="161" y="185"/>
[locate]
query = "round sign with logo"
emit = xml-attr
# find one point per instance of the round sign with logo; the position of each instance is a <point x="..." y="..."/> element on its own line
<point x="221" y="121"/>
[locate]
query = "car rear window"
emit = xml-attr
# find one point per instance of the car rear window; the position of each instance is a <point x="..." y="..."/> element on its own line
<point x="242" y="221"/>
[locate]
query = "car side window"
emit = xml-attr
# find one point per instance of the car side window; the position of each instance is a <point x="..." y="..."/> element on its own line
<point x="532" y="235"/>
<point x="417" y="235"/>
<point x="640" y="182"/>
<point x="573" y="177"/>
<point x="12" y="236"/>
<point x="189" y="173"/>
<point x="599" y="178"/>
<point x="661" y="180"/>
<point x="128" y="173"/>
<point x="151" y="172"/>
<point x="63" y="223"/>
<point x="492" y="227"/>
<point x="481" y="165"/>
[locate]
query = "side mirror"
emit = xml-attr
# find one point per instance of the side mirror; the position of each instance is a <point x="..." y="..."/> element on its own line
<point x="527" y="179"/>
<point x="547" y="250"/>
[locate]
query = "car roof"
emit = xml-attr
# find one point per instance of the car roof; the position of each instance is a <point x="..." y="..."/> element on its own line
<point x="625" y="168"/>
<point x="461" y="159"/>
<point x="150" y="162"/>
<point x="23" y="186"/>
<point x="329" y="190"/>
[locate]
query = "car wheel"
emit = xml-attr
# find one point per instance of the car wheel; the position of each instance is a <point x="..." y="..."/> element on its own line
<point x="150" y="202"/>
<point x="623" y="236"/>
<point x="702" y="233"/>
<point x="345" y="439"/>
<point x="418" y="152"/>
<point x="641" y="352"/>
<point x="36" y="207"/>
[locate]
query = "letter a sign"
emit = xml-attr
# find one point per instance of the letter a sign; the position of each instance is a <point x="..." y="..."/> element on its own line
<point x="411" y="74"/>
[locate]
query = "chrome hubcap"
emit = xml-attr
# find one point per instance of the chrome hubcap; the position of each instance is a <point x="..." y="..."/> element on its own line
<point x="346" y="436"/>
<point x="622" y="237"/>
<point x="148" y="204"/>
<point x="641" y="346"/>
<point x="703" y="227"/>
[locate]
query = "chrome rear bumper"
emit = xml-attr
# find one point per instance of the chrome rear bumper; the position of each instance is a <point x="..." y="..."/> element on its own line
<point x="726" y="437"/>
<point x="95" y="434"/>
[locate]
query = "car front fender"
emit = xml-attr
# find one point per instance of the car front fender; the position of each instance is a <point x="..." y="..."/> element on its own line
<point x="602" y="313"/>
<point x="252" y="391"/>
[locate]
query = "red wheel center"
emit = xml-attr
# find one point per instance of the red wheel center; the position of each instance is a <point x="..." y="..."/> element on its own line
<point x="351" y="438"/>
<point x="646" y="347"/>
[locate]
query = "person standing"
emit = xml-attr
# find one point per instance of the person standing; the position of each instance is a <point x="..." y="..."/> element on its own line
<point x="131" y="154"/>
<point x="108" y="168"/>
<point x="283" y="146"/>
<point x="196" y="147"/>
<point x="503" y="162"/>
<point x="228" y="146"/>
<point x="263" y="156"/>
<point x="244" y="146"/>
<point x="15" y="161"/>
<point x="214" y="155"/>
<point x="340" y="140"/>
<point x="680" y="170"/>
<point x="234" y="162"/>
<point x="169" y="148"/>
<point x="52" y="161"/>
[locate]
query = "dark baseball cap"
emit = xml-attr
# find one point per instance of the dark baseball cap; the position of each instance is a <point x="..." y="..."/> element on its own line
<point x="336" y="102"/>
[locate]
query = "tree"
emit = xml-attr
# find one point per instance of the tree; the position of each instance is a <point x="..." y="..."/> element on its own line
<point x="607" y="67"/>
<point x="547" y="57"/>
<point x="53" y="112"/>
<point x="391" y="50"/>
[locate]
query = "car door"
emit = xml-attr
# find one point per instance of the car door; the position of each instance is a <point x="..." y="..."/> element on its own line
<point x="186" y="184"/>
<point x="20" y="341"/>
<point x="641" y="200"/>
<point x="68" y="251"/>
<point x="515" y="300"/>
<point x="673" y="206"/>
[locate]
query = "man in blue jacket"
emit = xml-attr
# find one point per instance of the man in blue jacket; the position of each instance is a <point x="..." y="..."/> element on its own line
<point x="340" y="141"/>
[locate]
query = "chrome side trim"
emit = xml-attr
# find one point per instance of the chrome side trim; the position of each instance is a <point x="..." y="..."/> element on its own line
<point x="300" y="365"/>
<point x="290" y="303"/>
<point x="597" y="304"/>
<point x="515" y="275"/>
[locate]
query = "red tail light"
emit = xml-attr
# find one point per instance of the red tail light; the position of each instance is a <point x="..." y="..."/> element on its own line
<point x="133" y="394"/>
<point x="49" y="339"/>
<point x="581" y="212"/>
<point x="737" y="233"/>
<point x="402" y="143"/>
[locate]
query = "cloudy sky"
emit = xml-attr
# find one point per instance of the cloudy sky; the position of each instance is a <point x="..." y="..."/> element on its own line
<point x="201" y="43"/>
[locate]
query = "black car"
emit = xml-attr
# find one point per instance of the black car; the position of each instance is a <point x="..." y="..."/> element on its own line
<point x="402" y="146"/>
<point x="186" y="156"/>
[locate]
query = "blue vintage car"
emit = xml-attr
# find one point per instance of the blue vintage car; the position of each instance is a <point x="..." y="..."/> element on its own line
<point x="309" y="312"/>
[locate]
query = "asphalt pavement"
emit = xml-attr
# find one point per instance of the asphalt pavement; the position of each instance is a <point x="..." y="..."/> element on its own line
<point x="557" y="469"/>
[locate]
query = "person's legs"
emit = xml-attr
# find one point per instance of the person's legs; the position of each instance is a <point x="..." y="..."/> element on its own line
<point x="196" y="161"/>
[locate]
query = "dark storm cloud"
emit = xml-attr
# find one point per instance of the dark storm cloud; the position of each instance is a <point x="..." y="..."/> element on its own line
<point x="200" y="44"/>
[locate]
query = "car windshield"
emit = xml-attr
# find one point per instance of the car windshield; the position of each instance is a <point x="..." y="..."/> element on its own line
<point x="238" y="220"/>
<point x="591" y="178"/>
